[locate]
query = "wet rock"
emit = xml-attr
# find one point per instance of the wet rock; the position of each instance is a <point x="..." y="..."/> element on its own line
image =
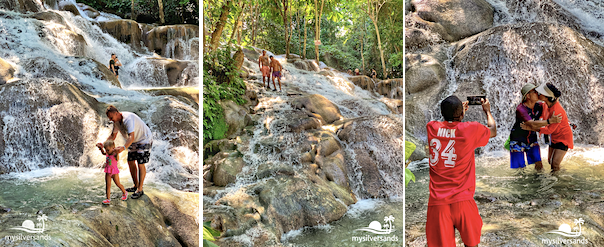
<point x="335" y="169"/>
<point x="292" y="203"/>
<point x="320" y="105"/>
<point x="40" y="67"/>
<point x="180" y="214"/>
<point x="251" y="54"/>
<point x="303" y="124"/>
<point x="423" y="72"/>
<point x="395" y="105"/>
<point x="48" y="16"/>
<point x="188" y="95"/>
<point x="235" y="116"/>
<point x="364" y="82"/>
<point x="379" y="161"/>
<point x="69" y="6"/>
<point x="392" y="88"/>
<point x="460" y="18"/>
<point x="416" y="38"/>
<point x="122" y="220"/>
<point x="30" y="121"/>
<point x="22" y="6"/>
<point x="325" y="73"/>
<point x="177" y="122"/>
<point x="171" y="41"/>
<point x="4" y="210"/>
<point x="178" y="73"/>
<point x="89" y="11"/>
<point x="126" y="31"/>
<point x="227" y="169"/>
<point x="576" y="60"/>
<point x="301" y="65"/>
<point x="272" y="169"/>
<point x="312" y="65"/>
<point x="6" y="71"/>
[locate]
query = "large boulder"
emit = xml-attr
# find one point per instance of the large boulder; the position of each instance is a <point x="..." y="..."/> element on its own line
<point x="6" y="71"/>
<point x="378" y="146"/>
<point x="22" y="6"/>
<point x="69" y="6"/>
<point x="459" y="18"/>
<point x="181" y="212"/>
<point x="493" y="64"/>
<point x="163" y="72"/>
<point x="317" y="104"/>
<point x="89" y="11"/>
<point x="236" y="117"/>
<point x="364" y="82"/>
<point x="40" y="67"/>
<point x="167" y="41"/>
<point x="423" y="72"/>
<point x="391" y="88"/>
<point x="48" y="16"/>
<point x="126" y="31"/>
<point x="46" y="122"/>
<point x="186" y="94"/>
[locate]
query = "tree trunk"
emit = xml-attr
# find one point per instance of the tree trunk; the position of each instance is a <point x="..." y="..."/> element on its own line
<point x="377" y="31"/>
<point x="305" y="35"/>
<point x="286" y="27"/>
<point x="220" y="26"/>
<point x="162" y="20"/>
<point x="317" y="28"/>
<point x="132" y="13"/>
<point x="362" y="43"/>
<point x="255" y="24"/>
<point x="236" y="24"/>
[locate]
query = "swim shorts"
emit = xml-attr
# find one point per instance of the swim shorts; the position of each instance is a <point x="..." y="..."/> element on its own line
<point x="559" y="145"/>
<point x="276" y="73"/>
<point x="139" y="152"/>
<point x="444" y="219"/>
<point x="266" y="71"/>
<point x="517" y="151"/>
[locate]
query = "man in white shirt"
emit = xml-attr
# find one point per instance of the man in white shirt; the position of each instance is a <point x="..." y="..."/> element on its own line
<point x="139" y="140"/>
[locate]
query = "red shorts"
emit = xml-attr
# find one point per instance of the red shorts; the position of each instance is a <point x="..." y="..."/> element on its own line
<point x="266" y="71"/>
<point x="444" y="219"/>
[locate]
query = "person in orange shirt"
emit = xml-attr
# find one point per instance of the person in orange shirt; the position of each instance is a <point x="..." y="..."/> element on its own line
<point x="561" y="133"/>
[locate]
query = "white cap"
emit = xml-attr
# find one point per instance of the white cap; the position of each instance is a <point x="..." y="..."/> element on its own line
<point x="544" y="90"/>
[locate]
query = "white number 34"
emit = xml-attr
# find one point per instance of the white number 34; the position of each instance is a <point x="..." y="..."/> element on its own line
<point x="448" y="153"/>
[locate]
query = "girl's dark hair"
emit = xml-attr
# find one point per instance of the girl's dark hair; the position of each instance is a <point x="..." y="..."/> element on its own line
<point x="554" y="90"/>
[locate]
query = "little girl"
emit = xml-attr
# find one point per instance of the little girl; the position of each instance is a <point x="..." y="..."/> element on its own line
<point x="111" y="170"/>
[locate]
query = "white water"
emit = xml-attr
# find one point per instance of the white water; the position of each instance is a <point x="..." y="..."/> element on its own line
<point x="20" y="42"/>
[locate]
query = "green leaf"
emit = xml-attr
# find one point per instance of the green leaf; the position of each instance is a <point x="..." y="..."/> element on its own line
<point x="409" y="148"/>
<point x="207" y="234"/>
<point x="214" y="232"/>
<point x="408" y="176"/>
<point x="207" y="243"/>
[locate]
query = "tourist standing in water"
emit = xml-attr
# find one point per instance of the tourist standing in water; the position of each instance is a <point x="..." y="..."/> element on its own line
<point x="111" y="170"/>
<point x="264" y="64"/>
<point x="114" y="65"/>
<point x="452" y="173"/>
<point x="139" y="140"/>
<point x="524" y="142"/>
<point x="561" y="134"/>
<point x="276" y="72"/>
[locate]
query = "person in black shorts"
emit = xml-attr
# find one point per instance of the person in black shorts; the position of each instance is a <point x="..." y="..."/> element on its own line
<point x="139" y="140"/>
<point x="114" y="66"/>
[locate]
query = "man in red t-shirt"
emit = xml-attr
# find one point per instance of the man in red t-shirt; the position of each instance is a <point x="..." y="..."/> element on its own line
<point x="452" y="173"/>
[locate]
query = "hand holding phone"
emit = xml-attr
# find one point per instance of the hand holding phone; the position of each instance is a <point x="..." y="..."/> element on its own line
<point x="476" y="100"/>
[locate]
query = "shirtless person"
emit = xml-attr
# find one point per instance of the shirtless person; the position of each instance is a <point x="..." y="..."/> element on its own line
<point x="276" y="72"/>
<point x="263" y="64"/>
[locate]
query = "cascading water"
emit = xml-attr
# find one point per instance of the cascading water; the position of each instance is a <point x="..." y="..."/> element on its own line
<point x="273" y="144"/>
<point x="53" y="114"/>
<point x="530" y="42"/>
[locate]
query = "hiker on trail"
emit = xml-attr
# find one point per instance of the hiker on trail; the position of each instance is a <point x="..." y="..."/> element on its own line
<point x="276" y="72"/>
<point x="452" y="173"/>
<point x="349" y="72"/>
<point x="139" y="140"/>
<point x="373" y="73"/>
<point x="263" y="64"/>
<point x="111" y="170"/>
<point x="356" y="72"/>
<point x="561" y="134"/>
<point x="114" y="65"/>
<point x="524" y="142"/>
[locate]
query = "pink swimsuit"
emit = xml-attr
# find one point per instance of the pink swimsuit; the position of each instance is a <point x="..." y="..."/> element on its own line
<point x="111" y="165"/>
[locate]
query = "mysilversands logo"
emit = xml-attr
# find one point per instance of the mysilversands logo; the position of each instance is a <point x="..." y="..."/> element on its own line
<point x="376" y="227"/>
<point x="28" y="226"/>
<point x="566" y="231"/>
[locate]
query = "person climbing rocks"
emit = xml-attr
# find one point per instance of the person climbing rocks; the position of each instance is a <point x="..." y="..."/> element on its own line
<point x="276" y="72"/>
<point x="139" y="140"/>
<point x="264" y="64"/>
<point x="561" y="133"/>
<point x="373" y="74"/>
<point x="114" y="65"/>
<point x="451" y="203"/>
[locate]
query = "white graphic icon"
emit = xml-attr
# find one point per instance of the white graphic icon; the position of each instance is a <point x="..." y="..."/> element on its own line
<point x="29" y="226"/>
<point x="377" y="228"/>
<point x="566" y="231"/>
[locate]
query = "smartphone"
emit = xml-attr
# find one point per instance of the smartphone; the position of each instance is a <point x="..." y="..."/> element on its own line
<point x="475" y="100"/>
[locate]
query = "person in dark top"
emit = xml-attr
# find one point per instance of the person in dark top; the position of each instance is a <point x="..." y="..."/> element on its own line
<point x="525" y="142"/>
<point x="114" y="65"/>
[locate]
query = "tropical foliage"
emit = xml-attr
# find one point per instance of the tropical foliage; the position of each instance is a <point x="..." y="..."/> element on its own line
<point x="147" y="11"/>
